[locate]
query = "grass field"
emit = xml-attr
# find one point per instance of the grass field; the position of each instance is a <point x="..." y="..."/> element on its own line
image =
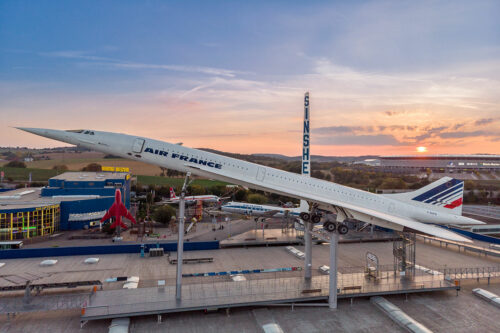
<point x="43" y="175"/>
<point x="77" y="163"/>
<point x="175" y="182"/>
<point x="22" y="174"/>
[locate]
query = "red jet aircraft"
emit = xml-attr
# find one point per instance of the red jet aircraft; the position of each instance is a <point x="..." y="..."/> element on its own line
<point x="117" y="210"/>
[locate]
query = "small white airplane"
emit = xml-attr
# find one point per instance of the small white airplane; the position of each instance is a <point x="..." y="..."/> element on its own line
<point x="417" y="211"/>
<point x="193" y="199"/>
<point x="265" y="211"/>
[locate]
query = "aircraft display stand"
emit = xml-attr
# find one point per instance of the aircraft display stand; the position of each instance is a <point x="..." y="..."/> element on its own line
<point x="334" y="241"/>
<point x="180" y="239"/>
<point x="404" y="251"/>
<point x="332" y="296"/>
<point x="308" y="226"/>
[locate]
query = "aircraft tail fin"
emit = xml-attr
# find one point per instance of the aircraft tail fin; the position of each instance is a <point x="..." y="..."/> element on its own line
<point x="444" y="194"/>
<point x="172" y="193"/>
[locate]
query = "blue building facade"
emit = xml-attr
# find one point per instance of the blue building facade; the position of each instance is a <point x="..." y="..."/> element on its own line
<point x="71" y="201"/>
<point x="85" y="196"/>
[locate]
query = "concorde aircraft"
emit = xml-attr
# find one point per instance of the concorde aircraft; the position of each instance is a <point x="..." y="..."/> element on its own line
<point x="437" y="203"/>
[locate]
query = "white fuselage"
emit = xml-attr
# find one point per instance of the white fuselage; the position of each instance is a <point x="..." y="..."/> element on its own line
<point x="252" y="175"/>
<point x="196" y="198"/>
<point x="258" y="210"/>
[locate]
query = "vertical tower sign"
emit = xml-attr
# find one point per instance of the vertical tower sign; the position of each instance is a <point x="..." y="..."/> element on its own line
<point x="306" y="172"/>
<point x="306" y="157"/>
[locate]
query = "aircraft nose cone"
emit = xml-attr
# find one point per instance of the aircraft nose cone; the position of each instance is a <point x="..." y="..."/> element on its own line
<point x="37" y="131"/>
<point x="49" y="133"/>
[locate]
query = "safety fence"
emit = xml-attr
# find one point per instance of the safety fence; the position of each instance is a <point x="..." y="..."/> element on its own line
<point x="263" y="287"/>
<point x="241" y="293"/>
<point x="43" y="303"/>
<point x="459" y="273"/>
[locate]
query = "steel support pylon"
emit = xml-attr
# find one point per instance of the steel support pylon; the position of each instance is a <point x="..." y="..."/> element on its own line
<point x="180" y="239"/>
<point x="332" y="297"/>
<point x="308" y="249"/>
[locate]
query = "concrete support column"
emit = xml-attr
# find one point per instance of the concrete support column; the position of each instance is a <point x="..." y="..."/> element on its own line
<point x="308" y="226"/>
<point x="332" y="297"/>
<point x="180" y="239"/>
<point x="180" y="247"/>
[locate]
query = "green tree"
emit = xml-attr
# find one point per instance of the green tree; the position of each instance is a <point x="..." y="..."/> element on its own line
<point x="197" y="190"/>
<point x="256" y="198"/>
<point x="15" y="164"/>
<point x="60" y="167"/>
<point x="469" y="185"/>
<point x="393" y="183"/>
<point x="106" y="228"/>
<point x="95" y="167"/>
<point x="163" y="214"/>
<point x="470" y="197"/>
<point x="317" y="174"/>
<point x="241" y="195"/>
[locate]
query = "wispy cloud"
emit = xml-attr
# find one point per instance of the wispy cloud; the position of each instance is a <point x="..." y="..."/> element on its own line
<point x="358" y="140"/>
<point x="484" y="121"/>
<point x="120" y="64"/>
<point x="456" y="135"/>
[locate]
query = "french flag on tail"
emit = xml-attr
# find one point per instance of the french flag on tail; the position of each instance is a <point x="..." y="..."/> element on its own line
<point x="445" y="193"/>
<point x="448" y="195"/>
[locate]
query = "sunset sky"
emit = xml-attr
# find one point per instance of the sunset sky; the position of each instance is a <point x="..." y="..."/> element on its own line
<point x="385" y="77"/>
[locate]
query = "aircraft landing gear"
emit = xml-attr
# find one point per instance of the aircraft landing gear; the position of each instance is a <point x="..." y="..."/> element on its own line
<point x="332" y="226"/>
<point x="342" y="229"/>
<point x="329" y="226"/>
<point x="304" y="216"/>
<point x="315" y="219"/>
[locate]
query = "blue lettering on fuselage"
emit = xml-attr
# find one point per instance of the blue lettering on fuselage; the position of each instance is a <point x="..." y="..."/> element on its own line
<point x="156" y="152"/>
<point x="183" y="158"/>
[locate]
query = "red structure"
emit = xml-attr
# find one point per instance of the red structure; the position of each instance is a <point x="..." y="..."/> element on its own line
<point x="117" y="210"/>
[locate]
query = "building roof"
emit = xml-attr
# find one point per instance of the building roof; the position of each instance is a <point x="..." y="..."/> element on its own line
<point x="31" y="198"/>
<point x="443" y="156"/>
<point x="90" y="176"/>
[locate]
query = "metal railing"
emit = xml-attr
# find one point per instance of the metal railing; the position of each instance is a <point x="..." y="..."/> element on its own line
<point x="264" y="287"/>
<point x="471" y="272"/>
<point x="230" y="293"/>
<point x="43" y="303"/>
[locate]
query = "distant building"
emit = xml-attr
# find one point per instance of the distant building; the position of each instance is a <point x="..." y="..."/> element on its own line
<point x="72" y="200"/>
<point x="443" y="163"/>
<point x="369" y="162"/>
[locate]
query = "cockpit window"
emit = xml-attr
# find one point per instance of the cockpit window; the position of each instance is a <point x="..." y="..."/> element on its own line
<point x="81" y="131"/>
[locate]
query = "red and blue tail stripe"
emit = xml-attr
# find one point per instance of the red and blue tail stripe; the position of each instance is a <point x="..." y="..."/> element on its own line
<point x="448" y="195"/>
